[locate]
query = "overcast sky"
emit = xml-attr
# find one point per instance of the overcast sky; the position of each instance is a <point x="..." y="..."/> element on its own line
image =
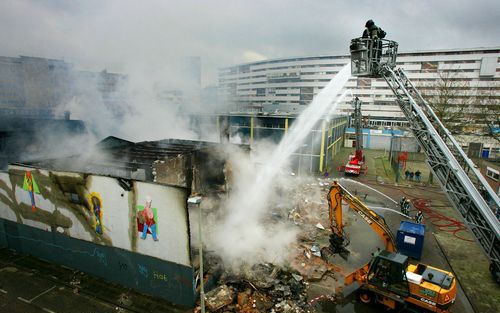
<point x="148" y="35"/>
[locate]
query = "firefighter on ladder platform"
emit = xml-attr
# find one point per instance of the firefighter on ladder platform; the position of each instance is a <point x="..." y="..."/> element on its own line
<point x="375" y="33"/>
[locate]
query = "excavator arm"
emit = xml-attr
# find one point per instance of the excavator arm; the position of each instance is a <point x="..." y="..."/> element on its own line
<point x="338" y="238"/>
<point x="336" y="194"/>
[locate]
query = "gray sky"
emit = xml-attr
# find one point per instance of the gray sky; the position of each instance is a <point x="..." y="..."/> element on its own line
<point x="146" y="36"/>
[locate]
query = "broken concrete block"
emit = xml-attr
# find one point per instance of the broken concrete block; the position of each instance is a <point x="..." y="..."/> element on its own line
<point x="297" y="277"/>
<point x="320" y="226"/>
<point x="219" y="297"/>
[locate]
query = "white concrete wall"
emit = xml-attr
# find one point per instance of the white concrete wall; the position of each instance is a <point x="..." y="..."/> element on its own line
<point x="173" y="233"/>
<point x="119" y="211"/>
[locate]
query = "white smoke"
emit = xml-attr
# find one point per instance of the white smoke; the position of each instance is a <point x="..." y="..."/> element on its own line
<point x="242" y="236"/>
<point x="246" y="235"/>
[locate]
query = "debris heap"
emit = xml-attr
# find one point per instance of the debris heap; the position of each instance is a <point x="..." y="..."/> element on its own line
<point x="260" y="288"/>
<point x="309" y="276"/>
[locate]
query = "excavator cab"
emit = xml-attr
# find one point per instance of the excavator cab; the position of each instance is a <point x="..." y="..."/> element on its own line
<point x="388" y="272"/>
<point x="369" y="56"/>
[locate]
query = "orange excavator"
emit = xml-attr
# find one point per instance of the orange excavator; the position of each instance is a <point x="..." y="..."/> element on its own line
<point x="389" y="278"/>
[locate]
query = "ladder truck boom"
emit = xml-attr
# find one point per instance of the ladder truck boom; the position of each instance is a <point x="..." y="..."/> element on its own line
<point x="358" y="125"/>
<point x="464" y="185"/>
<point x="356" y="162"/>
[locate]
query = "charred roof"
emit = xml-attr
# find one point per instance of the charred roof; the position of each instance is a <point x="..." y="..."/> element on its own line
<point x="121" y="158"/>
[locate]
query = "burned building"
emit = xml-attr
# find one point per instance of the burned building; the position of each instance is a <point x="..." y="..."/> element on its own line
<point x="23" y="139"/>
<point x="315" y="154"/>
<point x="118" y="212"/>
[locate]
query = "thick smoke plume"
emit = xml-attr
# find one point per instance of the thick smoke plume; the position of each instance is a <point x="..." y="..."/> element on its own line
<point x="243" y="230"/>
<point x="242" y="236"/>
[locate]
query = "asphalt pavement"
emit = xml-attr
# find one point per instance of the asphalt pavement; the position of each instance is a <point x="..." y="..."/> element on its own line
<point x="31" y="285"/>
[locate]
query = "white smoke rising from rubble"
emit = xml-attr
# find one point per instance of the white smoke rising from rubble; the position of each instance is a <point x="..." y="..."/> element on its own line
<point x="242" y="237"/>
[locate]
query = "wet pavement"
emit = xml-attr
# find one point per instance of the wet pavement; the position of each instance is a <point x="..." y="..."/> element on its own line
<point x="30" y="285"/>
<point x="451" y="247"/>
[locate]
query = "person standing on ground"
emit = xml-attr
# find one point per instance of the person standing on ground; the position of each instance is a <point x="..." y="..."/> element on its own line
<point x="419" y="217"/>
<point x="411" y="176"/>
<point x="407" y="174"/>
<point x="417" y="175"/>
<point x="407" y="207"/>
<point x="401" y="204"/>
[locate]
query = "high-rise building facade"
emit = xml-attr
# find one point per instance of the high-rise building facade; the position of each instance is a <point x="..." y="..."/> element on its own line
<point x="459" y="77"/>
<point x="35" y="87"/>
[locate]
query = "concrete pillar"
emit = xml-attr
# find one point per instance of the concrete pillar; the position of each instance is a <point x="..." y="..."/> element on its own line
<point x="322" y="149"/>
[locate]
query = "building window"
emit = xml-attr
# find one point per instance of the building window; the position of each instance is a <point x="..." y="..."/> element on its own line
<point x="364" y="83"/>
<point x="260" y="92"/>
<point x="488" y="67"/>
<point x="429" y="67"/>
<point x="306" y="93"/>
<point x="492" y="173"/>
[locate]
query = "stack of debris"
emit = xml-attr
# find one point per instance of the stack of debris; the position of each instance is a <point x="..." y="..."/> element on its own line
<point x="261" y="288"/>
<point x="309" y="274"/>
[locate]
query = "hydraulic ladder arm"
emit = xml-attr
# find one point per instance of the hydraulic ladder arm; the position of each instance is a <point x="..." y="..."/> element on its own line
<point x="457" y="174"/>
<point x="464" y="185"/>
<point x="358" y="126"/>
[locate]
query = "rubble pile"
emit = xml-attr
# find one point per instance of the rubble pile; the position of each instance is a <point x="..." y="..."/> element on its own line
<point x="261" y="288"/>
<point x="270" y="288"/>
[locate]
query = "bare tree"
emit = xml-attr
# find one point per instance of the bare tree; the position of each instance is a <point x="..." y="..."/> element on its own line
<point x="486" y="111"/>
<point x="451" y="97"/>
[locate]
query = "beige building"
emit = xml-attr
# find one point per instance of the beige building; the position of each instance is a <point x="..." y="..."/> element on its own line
<point x="289" y="84"/>
<point x="34" y="87"/>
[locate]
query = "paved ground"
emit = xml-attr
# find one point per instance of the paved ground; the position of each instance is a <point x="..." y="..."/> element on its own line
<point x="30" y="285"/>
<point x="448" y="244"/>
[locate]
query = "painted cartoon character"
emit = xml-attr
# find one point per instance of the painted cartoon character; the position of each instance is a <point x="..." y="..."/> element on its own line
<point x="96" y="208"/>
<point x="96" y="205"/>
<point x="149" y="221"/>
<point x="32" y="188"/>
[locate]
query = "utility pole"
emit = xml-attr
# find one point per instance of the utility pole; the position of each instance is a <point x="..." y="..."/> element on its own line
<point x="197" y="201"/>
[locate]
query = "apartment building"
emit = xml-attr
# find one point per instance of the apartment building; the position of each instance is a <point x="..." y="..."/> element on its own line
<point x="35" y="87"/>
<point x="287" y="85"/>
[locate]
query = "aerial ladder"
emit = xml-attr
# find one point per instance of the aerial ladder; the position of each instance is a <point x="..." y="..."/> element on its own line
<point x="461" y="180"/>
<point x="356" y="161"/>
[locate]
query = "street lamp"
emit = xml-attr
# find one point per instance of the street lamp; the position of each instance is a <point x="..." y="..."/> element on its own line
<point x="197" y="200"/>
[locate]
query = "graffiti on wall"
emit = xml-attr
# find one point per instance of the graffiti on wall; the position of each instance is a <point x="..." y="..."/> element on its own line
<point x="31" y="186"/>
<point x="147" y="218"/>
<point x="95" y="202"/>
<point x="85" y="207"/>
<point x="56" y="202"/>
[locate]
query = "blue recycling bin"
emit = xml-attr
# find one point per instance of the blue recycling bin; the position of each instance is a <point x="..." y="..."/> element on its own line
<point x="410" y="239"/>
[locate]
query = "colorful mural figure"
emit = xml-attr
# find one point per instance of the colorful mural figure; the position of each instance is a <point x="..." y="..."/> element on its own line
<point x="95" y="202"/>
<point x="146" y="220"/>
<point x="31" y="186"/>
